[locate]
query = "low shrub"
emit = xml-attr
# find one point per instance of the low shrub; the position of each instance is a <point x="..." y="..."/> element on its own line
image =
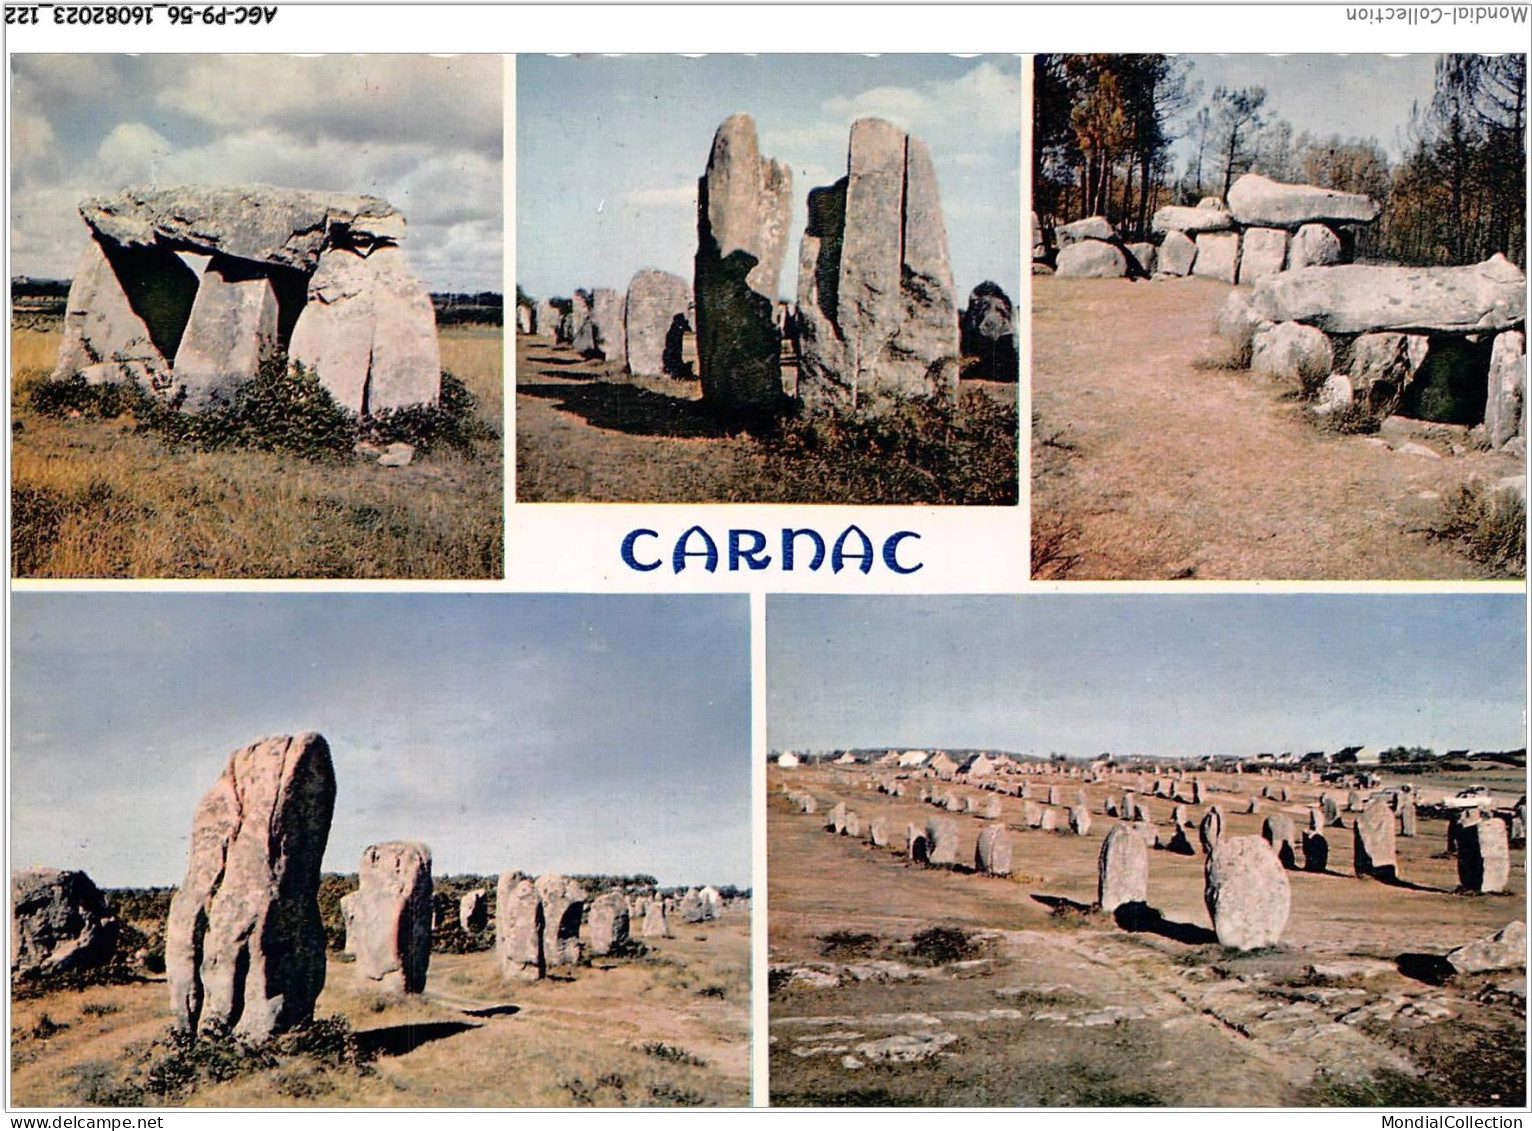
<point x="939" y="946"/>
<point x="1490" y="526"/>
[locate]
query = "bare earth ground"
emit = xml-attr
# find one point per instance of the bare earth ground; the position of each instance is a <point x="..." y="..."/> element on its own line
<point x="473" y="1040"/>
<point x="1061" y="1007"/>
<point x="105" y="501"/>
<point x="1161" y="468"/>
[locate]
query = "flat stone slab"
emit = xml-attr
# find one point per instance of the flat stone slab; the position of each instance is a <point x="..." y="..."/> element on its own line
<point x="1261" y="201"/>
<point x="259" y="222"/>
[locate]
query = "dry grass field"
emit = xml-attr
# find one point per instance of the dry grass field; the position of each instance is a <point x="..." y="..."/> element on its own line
<point x="586" y="431"/>
<point x="897" y="984"/>
<point x="93" y="497"/>
<point x="668" y="1028"/>
<point x="1150" y="462"/>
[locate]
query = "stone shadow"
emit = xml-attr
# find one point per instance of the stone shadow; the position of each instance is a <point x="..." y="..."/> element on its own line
<point x="396" y="1040"/>
<point x="1061" y="903"/>
<point x="493" y="1011"/>
<point x="1140" y="918"/>
<point x="630" y="409"/>
<point x="1433" y="969"/>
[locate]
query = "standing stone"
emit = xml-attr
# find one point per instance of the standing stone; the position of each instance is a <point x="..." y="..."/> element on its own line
<point x="877" y="832"/>
<point x="231" y="333"/>
<point x="519" y="929"/>
<point x="563" y="903"/>
<point x="992" y="855"/>
<point x="1246" y="893"/>
<point x="1294" y="352"/>
<point x="545" y="318"/>
<point x="369" y="332"/>
<point x="59" y="923"/>
<point x="348" y="922"/>
<point x="1031" y="814"/>
<point x="655" y="321"/>
<point x="1145" y="255"/>
<point x="1122" y="869"/>
<point x="1079" y="820"/>
<point x="693" y="909"/>
<point x="1264" y="253"/>
<point x="992" y="810"/>
<point x="1316" y="851"/>
<point x="836" y="823"/>
<point x="523" y="318"/>
<point x="916" y="844"/>
<point x="1210" y="829"/>
<point x="1407" y="818"/>
<point x="853" y="825"/>
<point x="1092" y="259"/>
<point x="608" y="924"/>
<point x="1281" y="834"/>
<point x="602" y="335"/>
<point x="941" y="840"/>
<point x="1507" y="387"/>
<point x="125" y="315"/>
<point x="1314" y="245"/>
<point x="573" y="320"/>
<point x="244" y="943"/>
<point x="1053" y="795"/>
<point x="1331" y="809"/>
<point x="987" y="333"/>
<point x="655" y="924"/>
<point x="1484" y="856"/>
<point x="391" y="916"/>
<point x="876" y="306"/>
<point x="1373" y="841"/>
<point x="1217" y="256"/>
<point x="1049" y="820"/>
<point x="807" y="804"/>
<point x="1177" y="255"/>
<point x="743" y="204"/>
<point x="473" y="911"/>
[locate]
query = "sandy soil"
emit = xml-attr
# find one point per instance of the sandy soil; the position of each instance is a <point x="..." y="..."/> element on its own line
<point x="1062" y="1007"/>
<point x="669" y="1028"/>
<point x="1159" y="467"/>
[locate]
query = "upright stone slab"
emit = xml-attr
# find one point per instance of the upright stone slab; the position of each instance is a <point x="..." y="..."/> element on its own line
<point x="59" y="923"/>
<point x="655" y="322"/>
<point x="1079" y="820"/>
<point x="1506" y="402"/>
<point x="1331" y="809"/>
<point x="1246" y="893"/>
<point x="473" y="911"/>
<point x="1211" y="828"/>
<point x="1316" y="851"/>
<point x="877" y="832"/>
<point x="1373" y="841"/>
<point x="1122" y="869"/>
<point x="519" y="929"/>
<point x="231" y="333"/>
<point x="348" y="922"/>
<point x="1177" y="254"/>
<point x="1293" y="352"/>
<point x="391" y="916"/>
<point x="876" y="307"/>
<point x="368" y="331"/>
<point x="244" y="944"/>
<point x="941" y="840"/>
<point x="1279" y="832"/>
<point x="836" y="822"/>
<point x="1314" y="245"/>
<point x="656" y="926"/>
<point x="602" y="335"/>
<point x="1217" y="256"/>
<point x="987" y="333"/>
<point x="992" y="855"/>
<point x="125" y="315"/>
<point x="742" y="215"/>
<point x="1408" y="822"/>
<point x="545" y="318"/>
<point x="573" y="319"/>
<point x="563" y="903"/>
<point x="608" y="924"/>
<point x="1264" y="253"/>
<point x="1484" y="856"/>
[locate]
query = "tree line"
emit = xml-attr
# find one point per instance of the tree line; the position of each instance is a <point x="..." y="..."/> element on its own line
<point x="1106" y="128"/>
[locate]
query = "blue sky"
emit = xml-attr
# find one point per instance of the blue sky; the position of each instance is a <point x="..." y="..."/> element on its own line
<point x="1158" y="675"/>
<point x="609" y="151"/>
<point x="424" y="132"/>
<point x="546" y="733"/>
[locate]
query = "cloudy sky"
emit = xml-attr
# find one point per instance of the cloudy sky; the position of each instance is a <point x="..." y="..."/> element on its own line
<point x="546" y="733"/>
<point x="1355" y="96"/>
<point x="423" y="132"/>
<point x="1150" y="674"/>
<point x="609" y="151"/>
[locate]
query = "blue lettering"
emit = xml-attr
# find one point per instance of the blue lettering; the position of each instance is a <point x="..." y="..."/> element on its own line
<point x="738" y="553"/>
<point x="790" y="536"/>
<point x="891" y="552"/>
<point x="838" y="555"/>
<point x="627" y="550"/>
<point x="709" y="553"/>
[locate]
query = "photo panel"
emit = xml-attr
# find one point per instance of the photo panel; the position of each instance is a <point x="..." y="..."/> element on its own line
<point x="488" y="850"/>
<point x="1149" y="850"/>
<point x="1278" y="316"/>
<point x="768" y="278"/>
<point x="257" y="316"/>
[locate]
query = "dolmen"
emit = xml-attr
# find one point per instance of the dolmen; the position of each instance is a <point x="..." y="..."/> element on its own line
<point x="318" y="276"/>
<point x="244" y="944"/>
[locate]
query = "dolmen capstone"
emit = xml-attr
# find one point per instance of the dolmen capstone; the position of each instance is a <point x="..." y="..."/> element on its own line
<point x="608" y="924"/>
<point x="743" y="203"/>
<point x="877" y="315"/>
<point x="563" y="903"/>
<point x="389" y="932"/>
<point x="1484" y="856"/>
<point x="473" y="911"/>
<point x="244" y="944"/>
<point x="1246" y="893"/>
<point x="655" y="321"/>
<point x="319" y="276"/>
<point x="59" y="923"/>
<point x="1122" y="869"/>
<point x="519" y="928"/>
<point x="987" y="334"/>
<point x="1372" y="839"/>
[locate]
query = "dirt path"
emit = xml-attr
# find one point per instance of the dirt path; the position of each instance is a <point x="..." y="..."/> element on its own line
<point x="1164" y="468"/>
<point x="1064" y="1008"/>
